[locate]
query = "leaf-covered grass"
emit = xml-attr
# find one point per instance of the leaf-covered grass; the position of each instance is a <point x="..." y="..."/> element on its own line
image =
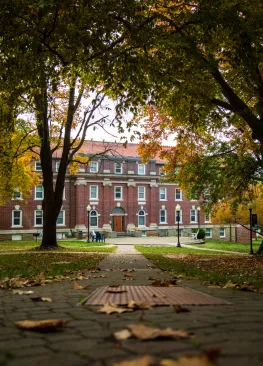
<point x="173" y="249"/>
<point x="218" y="269"/>
<point x="69" y="245"/>
<point x="233" y="247"/>
<point x="51" y="264"/>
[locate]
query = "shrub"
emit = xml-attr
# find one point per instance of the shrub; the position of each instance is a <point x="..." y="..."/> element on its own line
<point x="201" y="234"/>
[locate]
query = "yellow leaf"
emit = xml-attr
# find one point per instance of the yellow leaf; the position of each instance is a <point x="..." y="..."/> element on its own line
<point x="41" y="324"/>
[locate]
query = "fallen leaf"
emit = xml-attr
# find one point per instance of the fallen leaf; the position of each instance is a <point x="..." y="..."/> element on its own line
<point x="87" y="286"/>
<point x="159" y="296"/>
<point x="143" y="332"/>
<point x="206" y="358"/>
<point x="140" y="361"/>
<point x="139" y="305"/>
<point x="76" y="286"/>
<point x="160" y="283"/>
<point x="42" y="324"/>
<point x="122" y="334"/>
<point x="39" y="298"/>
<point x="127" y="275"/>
<point x="180" y="309"/>
<point x="110" y="308"/>
<point x="230" y="284"/>
<point x="20" y="292"/>
<point x="116" y="291"/>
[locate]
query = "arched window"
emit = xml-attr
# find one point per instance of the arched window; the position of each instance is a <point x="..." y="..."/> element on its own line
<point x="118" y="211"/>
<point x="93" y="218"/>
<point x="141" y="218"/>
<point x="163" y="216"/>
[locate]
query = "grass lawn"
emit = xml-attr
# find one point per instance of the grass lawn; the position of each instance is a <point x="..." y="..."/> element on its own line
<point x="233" y="247"/>
<point x="210" y="267"/>
<point x="48" y="264"/>
<point x="30" y="263"/>
<point x="70" y="245"/>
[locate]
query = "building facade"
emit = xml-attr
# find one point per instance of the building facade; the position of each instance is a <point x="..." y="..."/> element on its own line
<point x="122" y="194"/>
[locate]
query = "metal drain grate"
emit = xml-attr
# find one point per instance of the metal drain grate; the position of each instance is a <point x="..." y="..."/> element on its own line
<point x="153" y="296"/>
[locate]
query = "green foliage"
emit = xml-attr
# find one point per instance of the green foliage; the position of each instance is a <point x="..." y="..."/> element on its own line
<point x="201" y="234"/>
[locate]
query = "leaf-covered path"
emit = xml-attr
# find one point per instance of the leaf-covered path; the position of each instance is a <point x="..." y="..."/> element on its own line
<point x="88" y="339"/>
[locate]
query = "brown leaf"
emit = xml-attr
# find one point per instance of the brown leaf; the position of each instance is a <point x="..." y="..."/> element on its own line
<point x="143" y="332"/>
<point x="42" y="324"/>
<point x="127" y="275"/>
<point x="160" y="283"/>
<point x="159" y="296"/>
<point x="122" y="334"/>
<point x="116" y="291"/>
<point x="110" y="308"/>
<point x="20" y="292"/>
<point x="39" y="298"/>
<point x="189" y="360"/>
<point x="76" y="286"/>
<point x="140" y="361"/>
<point x="230" y="284"/>
<point x="139" y="305"/>
<point x="180" y="309"/>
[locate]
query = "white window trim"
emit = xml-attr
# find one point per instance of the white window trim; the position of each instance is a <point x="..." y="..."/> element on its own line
<point x="211" y="233"/>
<point x="208" y="221"/>
<point x="118" y="199"/>
<point x="144" y="193"/>
<point x="35" y="224"/>
<point x="96" y="169"/>
<point x="181" y="195"/>
<point x="165" y="191"/>
<point x="63" y="224"/>
<point x="97" y="216"/>
<point x="144" y="216"/>
<point x="57" y="165"/>
<point x="17" y="199"/>
<point x="193" y="222"/>
<point x="181" y="217"/>
<point x="139" y="166"/>
<point x="165" y="222"/>
<point x="97" y="192"/>
<point x="20" y="219"/>
<point x="222" y="236"/>
<point x="36" y="164"/>
<point x="118" y="165"/>
<point x="36" y="198"/>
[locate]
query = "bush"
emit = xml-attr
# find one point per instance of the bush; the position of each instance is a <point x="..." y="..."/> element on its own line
<point x="201" y="234"/>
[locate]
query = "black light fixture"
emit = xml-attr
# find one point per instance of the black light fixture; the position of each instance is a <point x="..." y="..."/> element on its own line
<point x="178" y="210"/>
<point x="88" y="210"/>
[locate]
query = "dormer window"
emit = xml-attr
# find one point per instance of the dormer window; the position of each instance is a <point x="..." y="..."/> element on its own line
<point x="118" y="168"/>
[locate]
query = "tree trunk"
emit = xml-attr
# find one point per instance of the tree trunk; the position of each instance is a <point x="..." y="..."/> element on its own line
<point x="260" y="249"/>
<point x="49" y="240"/>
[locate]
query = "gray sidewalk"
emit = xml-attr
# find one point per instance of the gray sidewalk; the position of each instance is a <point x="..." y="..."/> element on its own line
<point x="88" y="339"/>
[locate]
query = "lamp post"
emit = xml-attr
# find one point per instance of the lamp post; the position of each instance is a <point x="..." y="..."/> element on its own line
<point x="178" y="209"/>
<point x="198" y="216"/>
<point x="88" y="210"/>
<point x="250" y="227"/>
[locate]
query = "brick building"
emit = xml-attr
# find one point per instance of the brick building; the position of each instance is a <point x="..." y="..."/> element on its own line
<point x="123" y="195"/>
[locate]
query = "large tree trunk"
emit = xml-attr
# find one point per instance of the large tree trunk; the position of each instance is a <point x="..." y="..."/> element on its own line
<point x="260" y="249"/>
<point x="49" y="240"/>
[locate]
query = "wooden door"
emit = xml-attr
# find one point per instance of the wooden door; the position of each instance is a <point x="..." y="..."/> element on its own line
<point x="118" y="224"/>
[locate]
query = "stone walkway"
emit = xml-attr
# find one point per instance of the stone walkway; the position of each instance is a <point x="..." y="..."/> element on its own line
<point x="88" y="339"/>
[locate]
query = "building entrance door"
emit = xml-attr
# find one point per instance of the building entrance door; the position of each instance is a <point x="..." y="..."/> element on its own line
<point x="118" y="224"/>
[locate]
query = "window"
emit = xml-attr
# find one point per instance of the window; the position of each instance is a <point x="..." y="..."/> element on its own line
<point x="141" y="193"/>
<point x="57" y="166"/>
<point x="17" y="218"/>
<point x="207" y="217"/>
<point x="178" y="194"/>
<point x="161" y="172"/>
<point x="162" y="193"/>
<point x="61" y="218"/>
<point x="93" y="218"/>
<point x="94" y="167"/>
<point x="141" y="169"/>
<point x="193" y="215"/>
<point x="17" y="195"/>
<point x="141" y="218"/>
<point x="222" y="232"/>
<point x="118" y="168"/>
<point x="39" y="218"/>
<point x="117" y="193"/>
<point x="180" y="213"/>
<point x="162" y="216"/>
<point x="38" y="167"/>
<point x="208" y="233"/>
<point x="93" y="192"/>
<point x="39" y="193"/>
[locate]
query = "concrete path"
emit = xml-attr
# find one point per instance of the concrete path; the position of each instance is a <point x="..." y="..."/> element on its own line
<point x="88" y="339"/>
